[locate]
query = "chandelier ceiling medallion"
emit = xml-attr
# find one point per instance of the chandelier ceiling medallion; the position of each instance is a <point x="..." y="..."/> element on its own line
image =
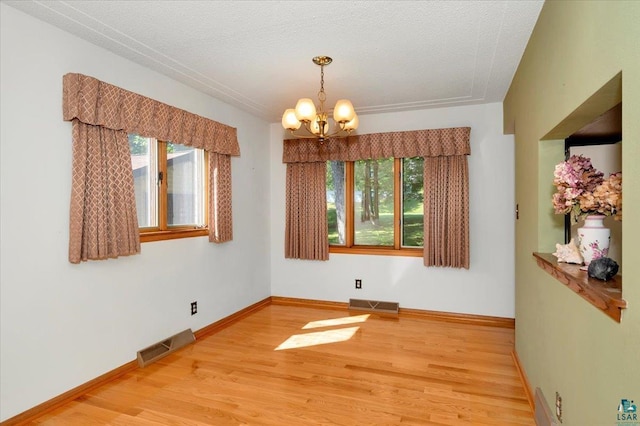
<point x="315" y="122"/>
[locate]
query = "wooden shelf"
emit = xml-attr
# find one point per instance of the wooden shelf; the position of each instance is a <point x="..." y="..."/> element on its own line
<point x="604" y="295"/>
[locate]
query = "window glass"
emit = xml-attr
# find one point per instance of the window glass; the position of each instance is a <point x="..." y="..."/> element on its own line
<point x="412" y="205"/>
<point x="144" y="164"/>
<point x="336" y="212"/>
<point x="373" y="202"/>
<point x="185" y="185"/>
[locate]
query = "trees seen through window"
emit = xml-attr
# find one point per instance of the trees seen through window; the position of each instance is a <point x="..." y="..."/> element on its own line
<point x="376" y="205"/>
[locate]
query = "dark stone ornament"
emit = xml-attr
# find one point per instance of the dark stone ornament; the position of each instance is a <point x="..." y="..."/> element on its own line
<point x="603" y="268"/>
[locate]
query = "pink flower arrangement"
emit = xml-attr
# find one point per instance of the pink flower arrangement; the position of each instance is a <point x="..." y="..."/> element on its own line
<point x="582" y="190"/>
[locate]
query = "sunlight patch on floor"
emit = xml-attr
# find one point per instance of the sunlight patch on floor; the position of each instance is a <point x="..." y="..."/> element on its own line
<point x="336" y="321"/>
<point x="318" y="338"/>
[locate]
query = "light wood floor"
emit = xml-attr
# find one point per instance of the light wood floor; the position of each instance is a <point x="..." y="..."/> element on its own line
<point x="298" y="366"/>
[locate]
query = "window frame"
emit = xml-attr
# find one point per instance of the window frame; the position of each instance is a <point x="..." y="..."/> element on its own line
<point x="163" y="231"/>
<point x="349" y="247"/>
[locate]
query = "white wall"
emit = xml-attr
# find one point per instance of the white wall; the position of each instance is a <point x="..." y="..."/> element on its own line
<point x="62" y="324"/>
<point x="487" y="288"/>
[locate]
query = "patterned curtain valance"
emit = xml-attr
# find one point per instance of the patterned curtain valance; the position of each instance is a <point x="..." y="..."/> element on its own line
<point x="95" y="102"/>
<point x="417" y="143"/>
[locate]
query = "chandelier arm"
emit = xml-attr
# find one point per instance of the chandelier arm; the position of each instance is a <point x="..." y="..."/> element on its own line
<point x="307" y="128"/>
<point x="337" y="133"/>
<point x="297" y="136"/>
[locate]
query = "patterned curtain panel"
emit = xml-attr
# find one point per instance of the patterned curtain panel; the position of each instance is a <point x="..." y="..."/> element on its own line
<point x="446" y="181"/>
<point x="220" y="220"/>
<point x="93" y="102"/>
<point x="446" y="211"/>
<point x="306" y="211"/>
<point x="103" y="208"/>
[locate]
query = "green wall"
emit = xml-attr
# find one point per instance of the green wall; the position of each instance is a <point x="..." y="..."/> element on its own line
<point x="564" y="343"/>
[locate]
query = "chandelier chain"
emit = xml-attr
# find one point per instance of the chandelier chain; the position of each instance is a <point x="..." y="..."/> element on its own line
<point x="321" y="95"/>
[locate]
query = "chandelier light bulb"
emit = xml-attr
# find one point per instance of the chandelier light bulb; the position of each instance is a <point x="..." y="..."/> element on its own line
<point x="352" y="124"/>
<point x="289" y="120"/>
<point x="305" y="110"/>
<point x="343" y="111"/>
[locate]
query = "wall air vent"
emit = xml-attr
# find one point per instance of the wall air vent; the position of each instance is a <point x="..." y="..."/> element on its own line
<point x="161" y="349"/>
<point x="374" y="306"/>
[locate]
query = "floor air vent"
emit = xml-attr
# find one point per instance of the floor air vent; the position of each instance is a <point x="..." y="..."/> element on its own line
<point x="165" y="347"/>
<point x="543" y="415"/>
<point x="374" y="306"/>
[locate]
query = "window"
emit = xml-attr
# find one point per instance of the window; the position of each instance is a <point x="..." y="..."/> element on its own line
<point x="376" y="206"/>
<point x="171" y="188"/>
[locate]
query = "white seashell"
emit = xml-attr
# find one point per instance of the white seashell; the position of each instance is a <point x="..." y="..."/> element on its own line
<point x="568" y="253"/>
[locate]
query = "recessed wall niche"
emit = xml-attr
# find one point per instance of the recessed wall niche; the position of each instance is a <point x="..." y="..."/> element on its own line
<point x="594" y="130"/>
<point x="605" y="105"/>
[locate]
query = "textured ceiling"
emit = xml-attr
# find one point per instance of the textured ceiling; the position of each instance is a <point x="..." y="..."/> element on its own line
<point x="256" y="55"/>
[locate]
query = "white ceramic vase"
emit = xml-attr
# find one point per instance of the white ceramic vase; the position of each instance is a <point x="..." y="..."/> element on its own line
<point x="594" y="238"/>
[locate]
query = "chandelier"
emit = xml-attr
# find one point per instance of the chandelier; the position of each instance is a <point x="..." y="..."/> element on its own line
<point x="315" y="122"/>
